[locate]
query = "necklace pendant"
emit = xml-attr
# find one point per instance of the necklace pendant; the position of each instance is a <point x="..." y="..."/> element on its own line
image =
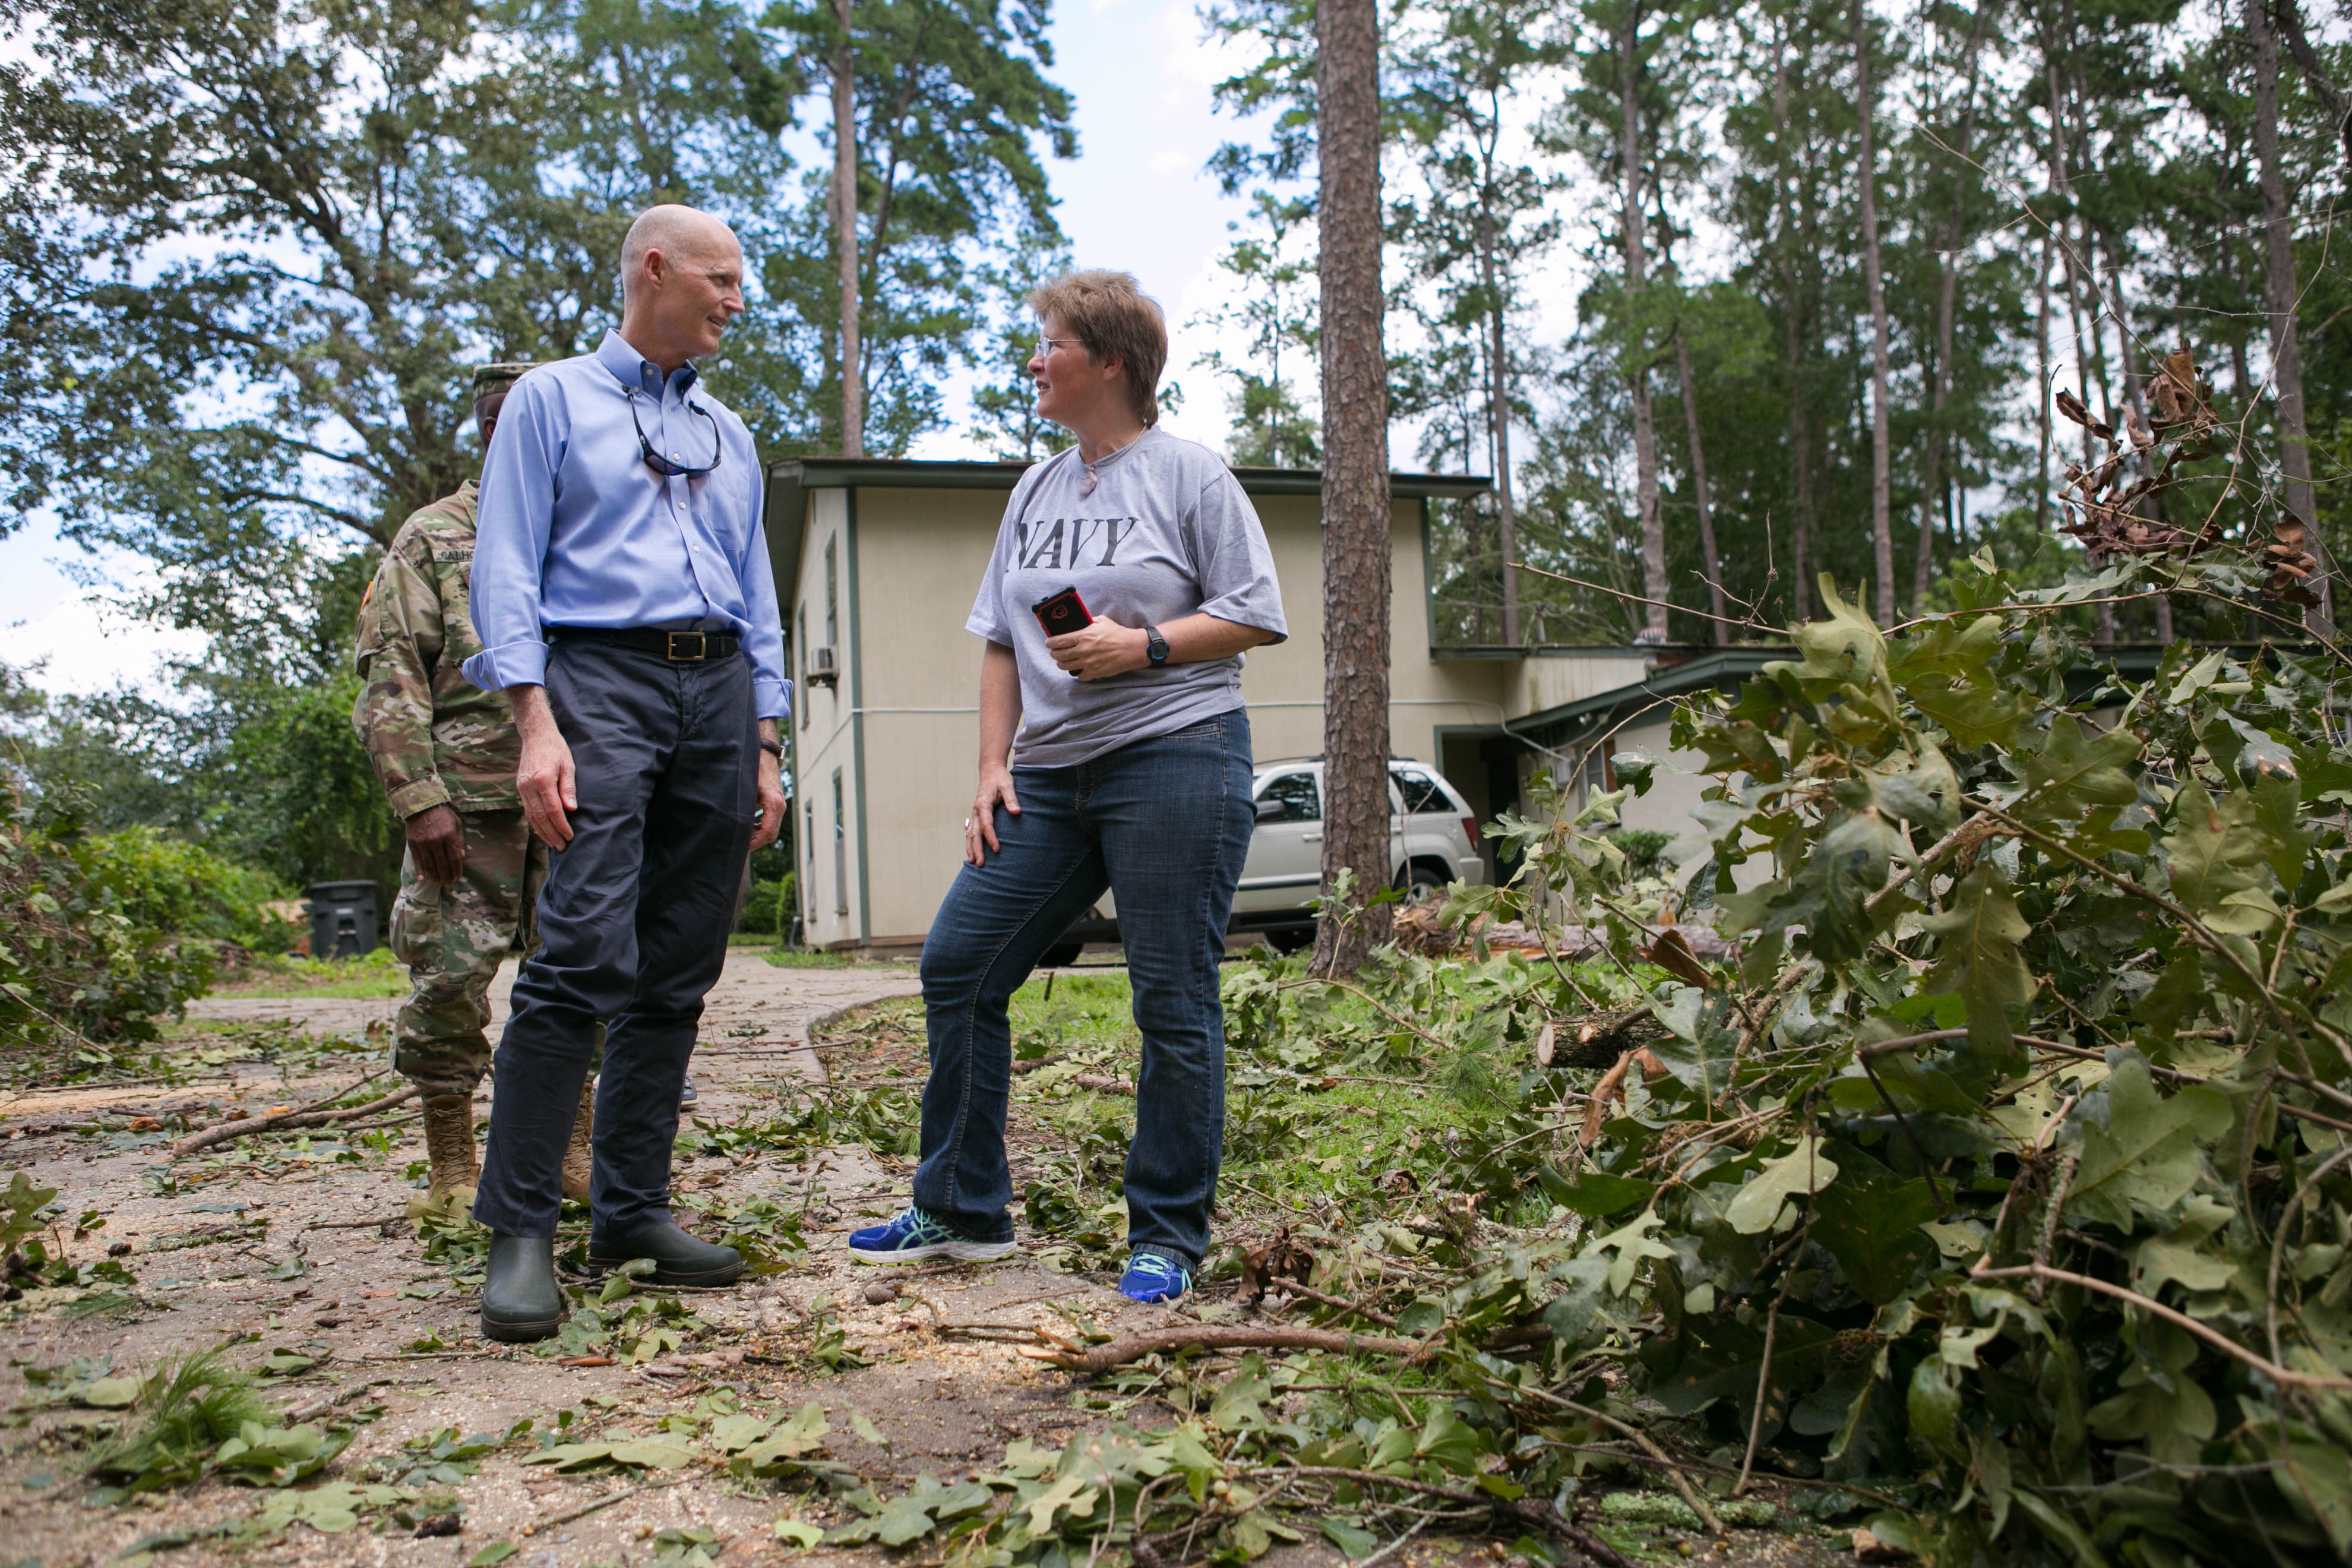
<point x="1087" y="485"/>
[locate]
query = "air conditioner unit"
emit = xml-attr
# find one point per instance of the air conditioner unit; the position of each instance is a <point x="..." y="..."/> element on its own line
<point x="821" y="668"/>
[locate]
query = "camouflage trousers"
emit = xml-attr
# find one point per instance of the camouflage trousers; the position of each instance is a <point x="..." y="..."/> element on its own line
<point x="453" y="940"/>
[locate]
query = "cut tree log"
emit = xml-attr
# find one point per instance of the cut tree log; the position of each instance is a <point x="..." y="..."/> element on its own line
<point x="223" y="1132"/>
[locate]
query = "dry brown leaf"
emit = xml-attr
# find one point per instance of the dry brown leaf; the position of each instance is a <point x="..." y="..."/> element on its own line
<point x="1277" y="1259"/>
<point x="1670" y="951"/>
<point x="1596" y="1110"/>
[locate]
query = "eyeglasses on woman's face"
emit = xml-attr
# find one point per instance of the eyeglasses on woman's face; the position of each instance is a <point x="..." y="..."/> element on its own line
<point x="1045" y="345"/>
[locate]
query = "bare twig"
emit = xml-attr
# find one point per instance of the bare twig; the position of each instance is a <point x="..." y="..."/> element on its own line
<point x="1366" y="1313"/>
<point x="1691" y="1494"/>
<point x="1201" y="1336"/>
<point x="593" y="1504"/>
<point x="1764" y="1367"/>
<point x="2278" y="1241"/>
<point x="226" y="1131"/>
<point x="2060" y="1190"/>
<point x="2213" y="1337"/>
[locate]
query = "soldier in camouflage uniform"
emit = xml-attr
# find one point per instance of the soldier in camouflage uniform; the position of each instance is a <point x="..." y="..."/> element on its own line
<point x="446" y="752"/>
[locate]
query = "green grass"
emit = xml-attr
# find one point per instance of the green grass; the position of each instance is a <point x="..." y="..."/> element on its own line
<point x="1291" y="1144"/>
<point x="371" y="974"/>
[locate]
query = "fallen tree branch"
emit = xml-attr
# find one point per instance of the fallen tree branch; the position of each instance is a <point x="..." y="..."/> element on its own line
<point x="319" y="1407"/>
<point x="2213" y="1337"/>
<point x="1691" y="1495"/>
<point x="593" y="1505"/>
<point x="1104" y="1085"/>
<point x="226" y="1131"/>
<point x="1293" y="1288"/>
<point x="1135" y="1347"/>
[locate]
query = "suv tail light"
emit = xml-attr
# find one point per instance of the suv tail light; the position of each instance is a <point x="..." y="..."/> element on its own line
<point x="1470" y="831"/>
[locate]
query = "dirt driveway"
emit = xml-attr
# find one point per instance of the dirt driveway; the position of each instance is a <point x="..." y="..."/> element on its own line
<point x="309" y="1255"/>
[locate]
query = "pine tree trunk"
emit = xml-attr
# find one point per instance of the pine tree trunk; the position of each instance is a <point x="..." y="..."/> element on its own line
<point x="1710" y="562"/>
<point x="1793" y="316"/>
<point x="845" y="234"/>
<point x="2279" y="287"/>
<point x="1498" y="418"/>
<point x="1882" y="505"/>
<point x="1355" y="479"/>
<point x="2041" y="372"/>
<point x="1931" y="493"/>
<point x="1645" y="434"/>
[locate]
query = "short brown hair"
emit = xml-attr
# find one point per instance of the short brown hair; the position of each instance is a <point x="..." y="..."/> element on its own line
<point x="1111" y="316"/>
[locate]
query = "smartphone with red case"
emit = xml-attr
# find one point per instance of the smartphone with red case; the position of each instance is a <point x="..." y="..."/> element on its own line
<point x="1063" y="613"/>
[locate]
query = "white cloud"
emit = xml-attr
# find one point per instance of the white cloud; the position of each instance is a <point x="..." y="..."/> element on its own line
<point x="89" y="648"/>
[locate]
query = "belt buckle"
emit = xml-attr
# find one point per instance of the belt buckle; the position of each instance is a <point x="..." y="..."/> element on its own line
<point x="701" y="648"/>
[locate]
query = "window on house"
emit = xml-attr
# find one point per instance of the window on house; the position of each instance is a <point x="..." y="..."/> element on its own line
<point x="833" y="598"/>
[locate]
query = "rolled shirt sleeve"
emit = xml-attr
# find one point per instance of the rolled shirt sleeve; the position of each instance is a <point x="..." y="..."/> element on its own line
<point x="515" y="513"/>
<point x="1237" y="580"/>
<point x="772" y="689"/>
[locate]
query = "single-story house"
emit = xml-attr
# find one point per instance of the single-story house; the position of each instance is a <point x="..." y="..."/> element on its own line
<point x="877" y="563"/>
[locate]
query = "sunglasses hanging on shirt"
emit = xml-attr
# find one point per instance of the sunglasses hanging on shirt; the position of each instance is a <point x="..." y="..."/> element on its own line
<point x="664" y="465"/>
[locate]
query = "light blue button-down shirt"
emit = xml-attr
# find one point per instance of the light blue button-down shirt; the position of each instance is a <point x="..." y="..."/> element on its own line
<point x="576" y="529"/>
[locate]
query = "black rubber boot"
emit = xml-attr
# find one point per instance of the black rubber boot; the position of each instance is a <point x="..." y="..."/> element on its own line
<point x="678" y="1259"/>
<point x="521" y="1299"/>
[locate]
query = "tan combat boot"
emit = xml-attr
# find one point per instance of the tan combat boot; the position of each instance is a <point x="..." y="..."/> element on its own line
<point x="449" y="1143"/>
<point x="580" y="1159"/>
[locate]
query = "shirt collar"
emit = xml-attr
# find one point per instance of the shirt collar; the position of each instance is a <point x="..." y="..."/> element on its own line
<point x="630" y="368"/>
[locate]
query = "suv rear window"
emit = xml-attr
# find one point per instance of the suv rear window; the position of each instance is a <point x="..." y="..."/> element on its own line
<point x="1301" y="801"/>
<point x="1423" y="796"/>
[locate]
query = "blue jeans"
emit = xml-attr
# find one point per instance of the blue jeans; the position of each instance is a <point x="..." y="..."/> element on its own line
<point x="1164" y="824"/>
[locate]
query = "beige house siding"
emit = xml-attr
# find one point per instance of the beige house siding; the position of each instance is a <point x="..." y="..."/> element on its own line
<point x="900" y="548"/>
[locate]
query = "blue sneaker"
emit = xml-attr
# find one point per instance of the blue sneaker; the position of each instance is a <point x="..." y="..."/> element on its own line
<point x="915" y="1236"/>
<point x="686" y="1095"/>
<point x="1151" y="1278"/>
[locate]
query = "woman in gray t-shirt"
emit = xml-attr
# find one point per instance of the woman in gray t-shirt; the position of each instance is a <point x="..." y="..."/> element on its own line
<point x="1113" y="755"/>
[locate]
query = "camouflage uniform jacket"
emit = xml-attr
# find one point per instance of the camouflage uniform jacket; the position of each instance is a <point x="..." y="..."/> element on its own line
<point x="435" y="737"/>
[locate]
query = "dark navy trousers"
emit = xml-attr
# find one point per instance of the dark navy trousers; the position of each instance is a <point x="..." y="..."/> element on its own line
<point x="633" y="928"/>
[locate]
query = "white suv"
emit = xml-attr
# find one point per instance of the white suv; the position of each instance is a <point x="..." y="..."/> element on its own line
<point x="1432" y="840"/>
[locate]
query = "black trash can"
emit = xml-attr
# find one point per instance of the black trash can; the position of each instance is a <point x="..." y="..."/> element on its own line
<point x="343" y="920"/>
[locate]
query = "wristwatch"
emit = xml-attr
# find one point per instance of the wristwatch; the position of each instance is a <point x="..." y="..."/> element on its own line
<point x="1155" y="647"/>
<point x="773" y="748"/>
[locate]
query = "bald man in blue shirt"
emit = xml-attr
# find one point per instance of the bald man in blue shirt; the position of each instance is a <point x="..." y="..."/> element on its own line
<point x="621" y="591"/>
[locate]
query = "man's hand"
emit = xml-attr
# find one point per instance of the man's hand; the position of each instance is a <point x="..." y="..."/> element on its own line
<point x="436" y="842"/>
<point x="772" y="790"/>
<point x="545" y="778"/>
<point x="1103" y="648"/>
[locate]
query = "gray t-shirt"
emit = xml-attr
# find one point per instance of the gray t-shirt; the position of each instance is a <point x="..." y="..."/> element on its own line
<point x="1166" y="533"/>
